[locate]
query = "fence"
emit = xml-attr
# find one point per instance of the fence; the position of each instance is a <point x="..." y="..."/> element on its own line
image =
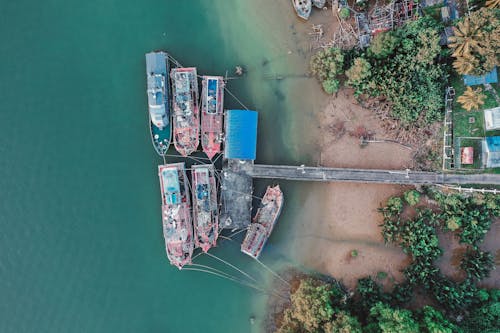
<point x="448" y="150"/>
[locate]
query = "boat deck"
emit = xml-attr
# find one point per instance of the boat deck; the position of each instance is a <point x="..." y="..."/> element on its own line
<point x="236" y="192"/>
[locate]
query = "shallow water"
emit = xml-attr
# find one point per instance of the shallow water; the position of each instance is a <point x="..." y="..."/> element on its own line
<point x="81" y="242"/>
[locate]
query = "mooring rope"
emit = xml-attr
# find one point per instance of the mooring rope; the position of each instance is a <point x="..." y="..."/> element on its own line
<point x="236" y="98"/>
<point x="237" y="232"/>
<point x="237" y="281"/>
<point x="232" y="266"/>
<point x="272" y="272"/>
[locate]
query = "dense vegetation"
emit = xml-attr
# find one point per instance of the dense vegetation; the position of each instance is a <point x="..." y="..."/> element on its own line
<point x="320" y="306"/>
<point x="400" y="65"/>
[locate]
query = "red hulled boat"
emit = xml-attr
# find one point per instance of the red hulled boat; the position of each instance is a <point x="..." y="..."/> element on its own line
<point x="212" y="104"/>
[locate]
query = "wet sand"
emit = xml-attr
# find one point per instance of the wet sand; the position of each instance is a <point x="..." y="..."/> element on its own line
<point x="339" y="218"/>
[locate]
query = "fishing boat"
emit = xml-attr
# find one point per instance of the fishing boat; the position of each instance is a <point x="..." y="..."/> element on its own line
<point x="186" y="118"/>
<point x="157" y="68"/>
<point x="205" y="211"/>
<point x="263" y="222"/>
<point x="319" y="3"/>
<point x="212" y="103"/>
<point x="302" y="8"/>
<point x="176" y="214"/>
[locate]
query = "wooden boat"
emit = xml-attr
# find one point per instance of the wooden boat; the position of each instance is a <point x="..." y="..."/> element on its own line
<point x="319" y="3"/>
<point x="263" y="223"/>
<point x="302" y="8"/>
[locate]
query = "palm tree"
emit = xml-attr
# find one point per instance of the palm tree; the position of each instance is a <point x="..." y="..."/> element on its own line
<point x="493" y="3"/>
<point x="465" y="64"/>
<point x="472" y="99"/>
<point x="466" y="38"/>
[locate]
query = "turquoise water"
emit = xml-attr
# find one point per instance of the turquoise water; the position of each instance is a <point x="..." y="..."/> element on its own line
<point x="81" y="244"/>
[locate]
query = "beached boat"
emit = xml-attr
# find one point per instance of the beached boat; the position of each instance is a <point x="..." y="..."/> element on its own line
<point x="186" y="114"/>
<point x="319" y="3"/>
<point x="205" y="210"/>
<point x="212" y="103"/>
<point x="157" y="69"/>
<point x="302" y="8"/>
<point x="176" y="214"/>
<point x="263" y="223"/>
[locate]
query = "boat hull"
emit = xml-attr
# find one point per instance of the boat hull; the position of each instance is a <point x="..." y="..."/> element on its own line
<point x="160" y="138"/>
<point x="212" y="105"/>
<point x="205" y="209"/>
<point x="186" y="119"/>
<point x="157" y="70"/>
<point x="263" y="223"/>
<point x="176" y="214"/>
<point x="302" y="8"/>
<point x="319" y="3"/>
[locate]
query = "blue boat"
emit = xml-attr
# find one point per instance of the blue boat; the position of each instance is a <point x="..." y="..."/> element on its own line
<point x="157" y="69"/>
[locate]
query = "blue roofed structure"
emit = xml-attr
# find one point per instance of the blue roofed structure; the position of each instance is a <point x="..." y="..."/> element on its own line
<point x="491" y="77"/>
<point x="491" y="151"/>
<point x="241" y="135"/>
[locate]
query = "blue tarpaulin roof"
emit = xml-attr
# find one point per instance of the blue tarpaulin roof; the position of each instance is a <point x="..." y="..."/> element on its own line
<point x="241" y="134"/>
<point x="490" y="77"/>
<point x="493" y="143"/>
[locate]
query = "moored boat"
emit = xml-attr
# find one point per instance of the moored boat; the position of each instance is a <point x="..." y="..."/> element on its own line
<point x="205" y="210"/>
<point x="157" y="68"/>
<point x="212" y="103"/>
<point x="263" y="223"/>
<point x="186" y="120"/>
<point x="319" y="3"/>
<point x="302" y="8"/>
<point x="176" y="214"/>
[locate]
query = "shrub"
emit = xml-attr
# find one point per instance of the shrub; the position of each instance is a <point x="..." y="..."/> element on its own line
<point x="331" y="86"/>
<point x="343" y="323"/>
<point x="389" y="320"/>
<point x="311" y="306"/>
<point x="383" y="45"/>
<point x="412" y="197"/>
<point x="477" y="264"/>
<point x="344" y="13"/>
<point x="327" y="63"/>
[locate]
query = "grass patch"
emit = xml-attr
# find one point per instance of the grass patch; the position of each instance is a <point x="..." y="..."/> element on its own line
<point x="463" y="128"/>
<point x="490" y="101"/>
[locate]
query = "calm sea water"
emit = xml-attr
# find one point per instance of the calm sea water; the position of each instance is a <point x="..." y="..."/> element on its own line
<point x="80" y="240"/>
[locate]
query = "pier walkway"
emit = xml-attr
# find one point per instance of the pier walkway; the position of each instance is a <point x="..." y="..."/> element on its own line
<point x="324" y="174"/>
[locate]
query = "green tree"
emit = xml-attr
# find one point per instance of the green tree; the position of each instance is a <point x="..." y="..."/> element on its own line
<point x="369" y="293"/>
<point x="343" y="323"/>
<point x="331" y="86"/>
<point x="475" y="225"/>
<point x="344" y="13"/>
<point x="311" y="306"/>
<point x="412" y="197"/>
<point x="358" y="73"/>
<point x="327" y="63"/>
<point x="485" y="318"/>
<point x="477" y="264"/>
<point x="383" y="45"/>
<point x="433" y="321"/>
<point x="389" y="320"/>
<point x="404" y="69"/>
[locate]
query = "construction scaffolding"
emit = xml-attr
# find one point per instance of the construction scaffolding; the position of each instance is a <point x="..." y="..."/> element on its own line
<point x="383" y="18"/>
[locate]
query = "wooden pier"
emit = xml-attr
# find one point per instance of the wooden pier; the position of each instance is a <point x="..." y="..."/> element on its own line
<point x="407" y="176"/>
